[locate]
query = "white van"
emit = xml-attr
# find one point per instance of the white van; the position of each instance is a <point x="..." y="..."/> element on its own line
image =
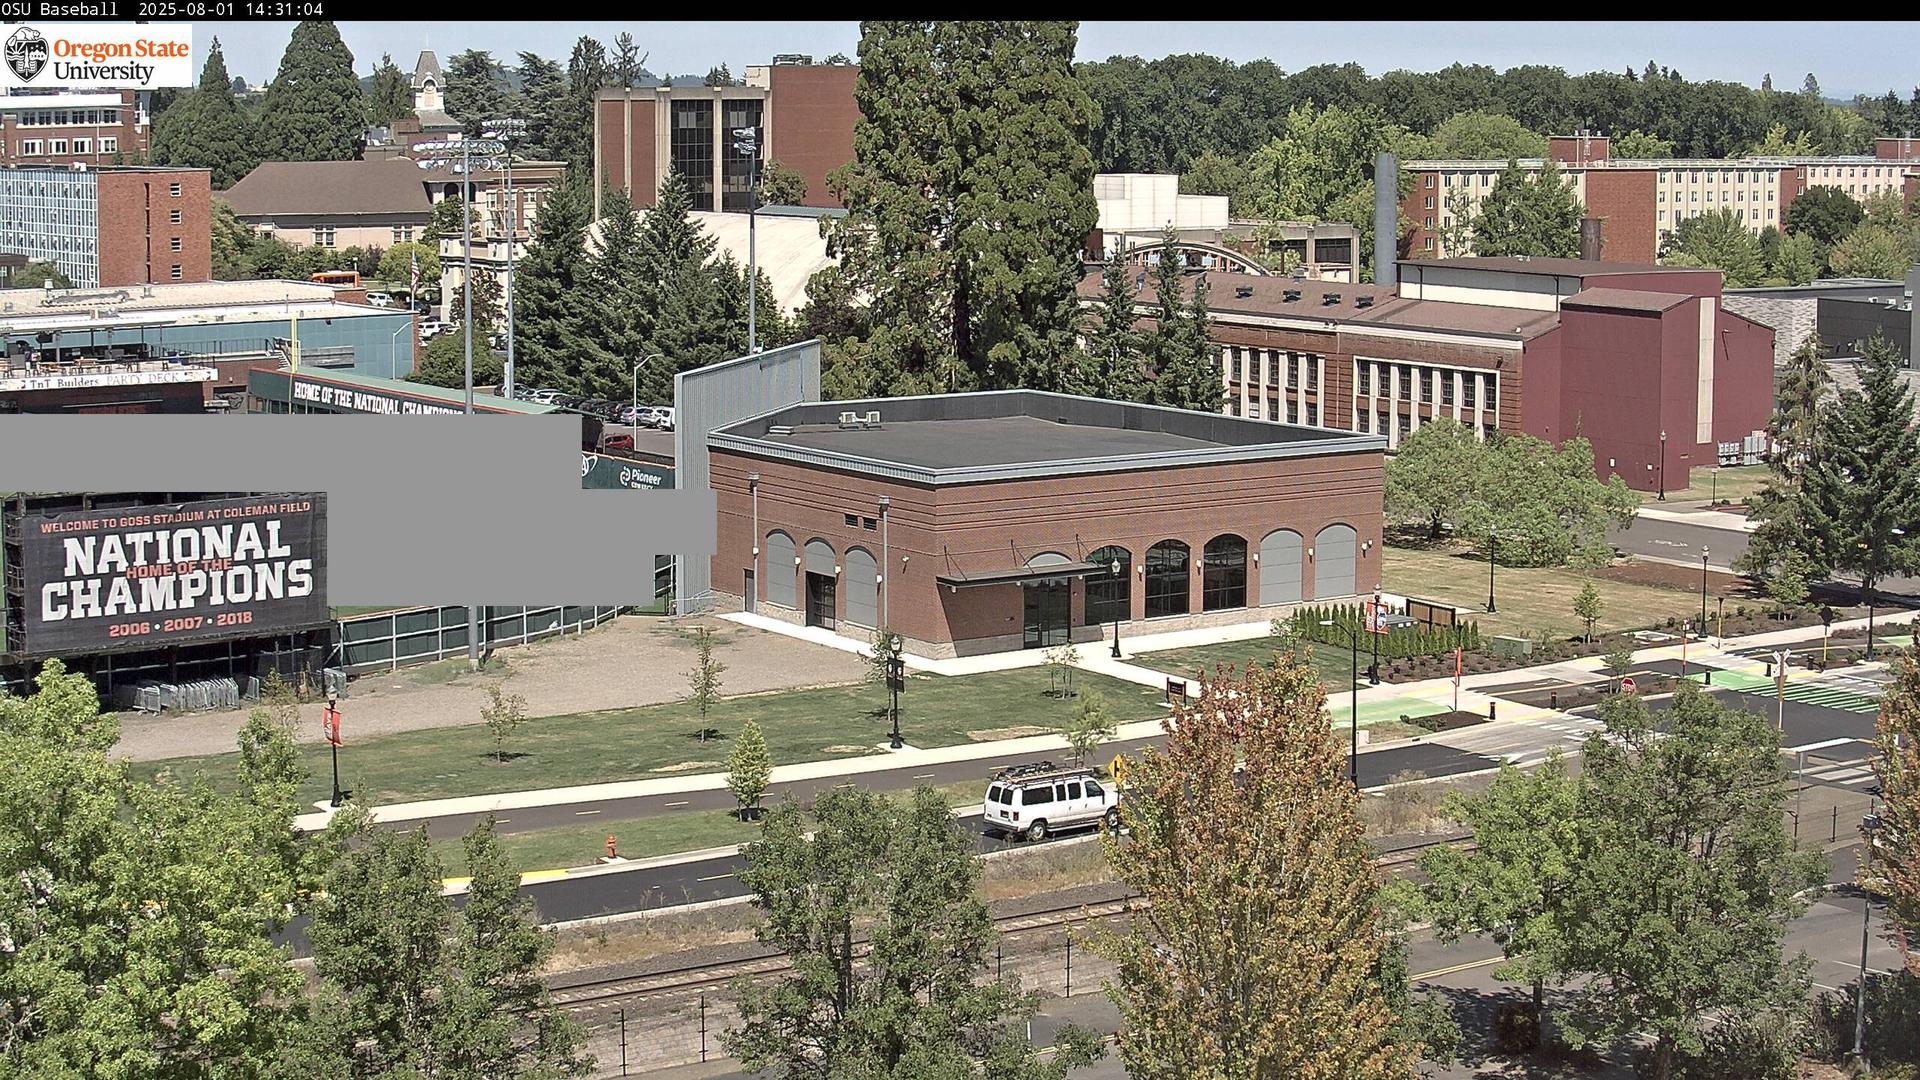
<point x="1037" y="799"/>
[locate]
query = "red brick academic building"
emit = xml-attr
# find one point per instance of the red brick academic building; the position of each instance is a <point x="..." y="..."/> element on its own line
<point x="983" y="522"/>
<point x="1641" y="360"/>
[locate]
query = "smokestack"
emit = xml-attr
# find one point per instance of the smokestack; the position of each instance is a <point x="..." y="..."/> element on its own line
<point x="1386" y="218"/>
<point x="1591" y="240"/>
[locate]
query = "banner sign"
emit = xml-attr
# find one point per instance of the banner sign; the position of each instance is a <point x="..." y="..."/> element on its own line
<point x="355" y="399"/>
<point x="330" y="724"/>
<point x="97" y="56"/>
<point x="600" y="472"/>
<point x="150" y="576"/>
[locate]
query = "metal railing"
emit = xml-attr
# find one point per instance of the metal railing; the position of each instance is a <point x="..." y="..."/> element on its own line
<point x="387" y="639"/>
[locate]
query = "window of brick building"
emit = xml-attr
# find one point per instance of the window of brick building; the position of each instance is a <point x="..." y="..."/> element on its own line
<point x="173" y="216"/>
<point x="1363" y="380"/>
<point x="1446" y="388"/>
<point x="109" y="144"/>
<point x="1313" y="414"/>
<point x="175" y="272"/>
<point x="173" y="190"/>
<point x="173" y="244"/>
<point x="1313" y="372"/>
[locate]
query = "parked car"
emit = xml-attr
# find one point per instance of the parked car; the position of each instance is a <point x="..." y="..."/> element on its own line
<point x="430" y="328"/>
<point x="380" y="299"/>
<point x="629" y="415"/>
<point x="617" y="442"/>
<point x="663" y="418"/>
<point x="1040" y="798"/>
<point x="543" y="397"/>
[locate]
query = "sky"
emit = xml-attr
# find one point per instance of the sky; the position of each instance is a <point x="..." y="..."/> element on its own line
<point x="1847" y="57"/>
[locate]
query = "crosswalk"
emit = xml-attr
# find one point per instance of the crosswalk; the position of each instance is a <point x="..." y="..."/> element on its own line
<point x="1844" y="773"/>
<point x="1828" y="696"/>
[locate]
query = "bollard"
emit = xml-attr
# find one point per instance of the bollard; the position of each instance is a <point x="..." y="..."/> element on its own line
<point x="999" y="964"/>
<point x="623" y="1042"/>
<point x="1553" y="699"/>
<point x="1490" y="708"/>
<point x="1833" y="830"/>
<point x="1706" y="676"/>
<point x="1069" y="992"/>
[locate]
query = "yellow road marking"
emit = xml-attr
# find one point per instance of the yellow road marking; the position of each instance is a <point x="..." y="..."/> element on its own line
<point x="1488" y="962"/>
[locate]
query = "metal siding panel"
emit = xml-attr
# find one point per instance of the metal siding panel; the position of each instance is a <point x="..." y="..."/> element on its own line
<point x="863" y="588"/>
<point x="718" y="395"/>
<point x="780" y="570"/>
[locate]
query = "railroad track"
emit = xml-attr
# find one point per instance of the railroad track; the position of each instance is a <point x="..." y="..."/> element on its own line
<point x="597" y="994"/>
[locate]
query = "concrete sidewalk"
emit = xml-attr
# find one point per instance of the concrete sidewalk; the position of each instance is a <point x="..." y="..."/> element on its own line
<point x="1706" y="519"/>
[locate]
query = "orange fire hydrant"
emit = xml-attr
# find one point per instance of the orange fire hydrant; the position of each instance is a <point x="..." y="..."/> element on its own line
<point x="612" y="853"/>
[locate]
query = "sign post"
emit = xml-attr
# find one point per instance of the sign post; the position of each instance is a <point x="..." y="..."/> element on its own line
<point x="1456" y="677"/>
<point x="1626" y="684"/>
<point x="1780" y="658"/>
<point x="330" y="724"/>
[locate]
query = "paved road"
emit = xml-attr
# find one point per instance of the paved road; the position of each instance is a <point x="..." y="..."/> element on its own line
<point x="1682" y="541"/>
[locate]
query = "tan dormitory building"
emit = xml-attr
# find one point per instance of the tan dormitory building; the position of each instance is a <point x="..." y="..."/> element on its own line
<point x="1638" y="202"/>
<point x="803" y="112"/>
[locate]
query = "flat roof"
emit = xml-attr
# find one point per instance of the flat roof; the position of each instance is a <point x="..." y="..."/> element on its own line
<point x="202" y="301"/>
<point x="1524" y="264"/>
<point x="1016" y="434"/>
<point x="1626" y="300"/>
<point x="1266" y="297"/>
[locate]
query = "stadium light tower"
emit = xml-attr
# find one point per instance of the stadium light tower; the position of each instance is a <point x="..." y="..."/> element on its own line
<point x="509" y="132"/>
<point x="457" y="155"/>
<point x="746" y="140"/>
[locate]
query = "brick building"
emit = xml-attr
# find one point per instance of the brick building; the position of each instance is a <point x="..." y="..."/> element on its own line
<point x="804" y="114"/>
<point x="110" y="226"/>
<point x="1618" y="353"/>
<point x="983" y="522"/>
<point x="67" y="129"/>
<point x="1639" y="201"/>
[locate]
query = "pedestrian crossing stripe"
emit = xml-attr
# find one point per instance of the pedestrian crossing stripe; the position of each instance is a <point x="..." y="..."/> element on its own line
<point x="1828" y="697"/>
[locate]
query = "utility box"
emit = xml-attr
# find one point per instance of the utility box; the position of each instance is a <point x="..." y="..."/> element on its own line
<point x="1511" y="646"/>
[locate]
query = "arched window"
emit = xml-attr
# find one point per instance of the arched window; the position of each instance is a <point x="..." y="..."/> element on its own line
<point x="1280" y="553"/>
<point x="1110" y="594"/>
<point x="1167" y="578"/>
<point x="820" y="557"/>
<point x="782" y="572"/>
<point x="1333" y="560"/>
<point x="1223" y="574"/>
<point x="1048" y="558"/>
<point x="863" y="588"/>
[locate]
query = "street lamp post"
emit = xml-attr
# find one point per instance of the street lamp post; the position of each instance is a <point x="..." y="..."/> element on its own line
<point x="1869" y="825"/>
<point x="1353" y="682"/>
<point x="1713" y="499"/>
<point x="508" y="130"/>
<point x="636" y="390"/>
<point x="1373" y="668"/>
<point x="1703" y="590"/>
<point x="746" y="140"/>
<point x="1663" y="466"/>
<point x="1115" y="568"/>
<point x="1490" y="540"/>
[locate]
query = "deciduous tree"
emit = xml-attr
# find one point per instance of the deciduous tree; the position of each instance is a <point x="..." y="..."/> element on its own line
<point x="1433" y="477"/>
<point x="920" y="1003"/>
<point x="1717" y="240"/>
<point x="1686" y="879"/>
<point x="1258" y="950"/>
<point x="503" y="714"/>
<point x="1588" y="606"/>
<point x="781" y="186"/>
<point x="1526" y="214"/>
<point x="1896" y="854"/>
<point x="703" y="679"/>
<point x="749" y="768"/>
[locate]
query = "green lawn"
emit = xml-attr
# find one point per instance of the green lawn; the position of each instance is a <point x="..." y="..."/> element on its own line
<point x="663" y="740"/>
<point x="1334" y="663"/>
<point x="1528" y="599"/>
<point x="1735" y="483"/>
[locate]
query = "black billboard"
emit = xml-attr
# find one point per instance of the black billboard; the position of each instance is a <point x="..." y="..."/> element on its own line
<point x="169" y="574"/>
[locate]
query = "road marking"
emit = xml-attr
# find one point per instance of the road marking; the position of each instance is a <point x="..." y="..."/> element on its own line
<point x="671" y="805"/>
<point x="716" y="877"/>
<point x="1816" y="746"/>
<point x="924" y="776"/>
<point x="585" y="813"/>
<point x="1860" y="779"/>
<point x="1436" y="972"/>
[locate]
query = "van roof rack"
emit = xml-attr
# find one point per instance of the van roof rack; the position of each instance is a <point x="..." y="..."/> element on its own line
<point x="1034" y="769"/>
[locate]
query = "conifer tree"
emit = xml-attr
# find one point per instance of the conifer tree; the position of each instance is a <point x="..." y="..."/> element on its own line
<point x="550" y="312"/>
<point x="1860" y="493"/>
<point x="390" y="94"/>
<point x="1112" y="365"/>
<point x="313" y="109"/>
<point x="207" y="128"/>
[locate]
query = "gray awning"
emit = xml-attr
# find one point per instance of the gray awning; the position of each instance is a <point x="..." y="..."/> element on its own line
<point x="1022" y="573"/>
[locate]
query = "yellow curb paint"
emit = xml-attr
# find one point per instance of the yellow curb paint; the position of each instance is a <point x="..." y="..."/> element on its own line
<point x="1488" y="962"/>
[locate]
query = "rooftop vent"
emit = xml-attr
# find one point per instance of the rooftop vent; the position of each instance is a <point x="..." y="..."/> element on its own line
<point x="1330" y="299"/>
<point x="1290" y="295"/>
<point x="779" y="429"/>
<point x="1243" y="291"/>
<point x="1363" y="301"/>
<point x="849" y="419"/>
<point x="1299" y="273"/>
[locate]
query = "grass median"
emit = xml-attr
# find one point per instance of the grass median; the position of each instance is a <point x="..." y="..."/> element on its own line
<point x="664" y="740"/>
<point x="1334" y="664"/>
<point x="1529" y="599"/>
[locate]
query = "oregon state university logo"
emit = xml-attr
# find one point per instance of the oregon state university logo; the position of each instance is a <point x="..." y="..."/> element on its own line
<point x="26" y="53"/>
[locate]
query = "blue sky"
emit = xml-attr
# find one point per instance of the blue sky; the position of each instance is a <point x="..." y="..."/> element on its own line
<point x="1848" y="57"/>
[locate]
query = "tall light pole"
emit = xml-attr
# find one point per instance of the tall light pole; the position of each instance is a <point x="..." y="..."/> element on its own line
<point x="393" y="349"/>
<point x="508" y="131"/>
<point x="1663" y="465"/>
<point x="441" y="154"/>
<point x="1353" y="681"/>
<point x="1703" y="590"/>
<point x="746" y="140"/>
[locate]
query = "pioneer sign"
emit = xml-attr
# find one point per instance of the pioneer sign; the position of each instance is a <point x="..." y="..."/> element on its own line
<point x="141" y="577"/>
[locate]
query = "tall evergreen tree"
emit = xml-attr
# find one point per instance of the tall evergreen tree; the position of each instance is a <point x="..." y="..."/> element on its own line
<point x="617" y="315"/>
<point x="678" y="297"/>
<point x="541" y="100"/>
<point x="1186" y="369"/>
<point x="548" y="308"/>
<point x="1523" y="215"/>
<point x="1780" y="540"/>
<point x="475" y="89"/>
<point x="1113" y="363"/>
<point x="313" y="109"/>
<point x="1860" y="494"/>
<point x="207" y="128"/>
<point x="390" y="95"/>
<point x="571" y="139"/>
<point x="625" y="67"/>
<point x="969" y="199"/>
